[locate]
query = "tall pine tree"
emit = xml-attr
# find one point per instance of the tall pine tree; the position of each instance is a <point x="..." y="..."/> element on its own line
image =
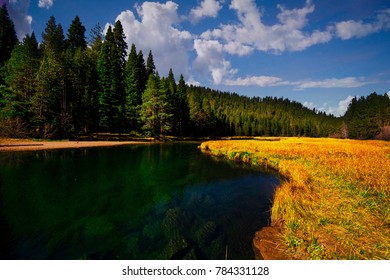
<point x="76" y="35"/>
<point x="50" y="103"/>
<point x="8" y="39"/>
<point x="111" y="70"/>
<point x="133" y="93"/>
<point x="150" y="67"/>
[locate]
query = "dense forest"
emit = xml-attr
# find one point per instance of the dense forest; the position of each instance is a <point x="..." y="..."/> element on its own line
<point x="66" y="86"/>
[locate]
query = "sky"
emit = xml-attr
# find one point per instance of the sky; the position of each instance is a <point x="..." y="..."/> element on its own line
<point x="319" y="53"/>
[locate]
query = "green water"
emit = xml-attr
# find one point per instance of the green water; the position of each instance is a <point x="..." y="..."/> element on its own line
<point x="160" y="201"/>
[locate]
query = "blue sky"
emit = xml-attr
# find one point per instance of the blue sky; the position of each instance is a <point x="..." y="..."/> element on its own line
<point x="319" y="53"/>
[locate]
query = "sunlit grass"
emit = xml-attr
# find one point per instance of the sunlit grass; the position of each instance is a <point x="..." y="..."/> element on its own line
<point x="335" y="197"/>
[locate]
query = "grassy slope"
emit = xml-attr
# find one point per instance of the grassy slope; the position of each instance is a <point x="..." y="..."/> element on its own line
<point x="335" y="200"/>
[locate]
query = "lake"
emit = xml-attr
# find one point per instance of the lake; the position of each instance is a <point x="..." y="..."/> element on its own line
<point x="157" y="201"/>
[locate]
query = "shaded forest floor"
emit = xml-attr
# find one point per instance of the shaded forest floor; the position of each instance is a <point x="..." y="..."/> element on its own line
<point x="334" y="199"/>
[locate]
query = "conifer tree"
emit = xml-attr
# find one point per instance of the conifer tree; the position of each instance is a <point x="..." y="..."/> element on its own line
<point x="76" y="35"/>
<point x="150" y="67"/>
<point x="154" y="110"/>
<point x="50" y="103"/>
<point x="8" y="39"/>
<point x="111" y="70"/>
<point x="142" y="69"/>
<point x="119" y="68"/>
<point x="133" y="93"/>
<point x="108" y="104"/>
<point x="20" y="70"/>
<point x="182" y="110"/>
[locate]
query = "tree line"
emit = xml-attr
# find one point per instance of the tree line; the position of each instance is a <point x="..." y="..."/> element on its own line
<point x="68" y="86"/>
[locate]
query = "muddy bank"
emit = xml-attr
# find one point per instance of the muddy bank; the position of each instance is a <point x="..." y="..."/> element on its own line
<point x="268" y="245"/>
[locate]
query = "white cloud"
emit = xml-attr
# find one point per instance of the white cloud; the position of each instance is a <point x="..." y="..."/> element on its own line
<point x="260" y="81"/>
<point x="18" y="11"/>
<point x="210" y="59"/>
<point x="155" y="30"/>
<point x="337" y="111"/>
<point x="309" y="105"/>
<point x="207" y="8"/>
<point x="340" y="109"/>
<point x="154" y="26"/>
<point x="349" y="82"/>
<point x="47" y="4"/>
<point x="252" y="33"/>
<point x="357" y="29"/>
<point x="271" y="81"/>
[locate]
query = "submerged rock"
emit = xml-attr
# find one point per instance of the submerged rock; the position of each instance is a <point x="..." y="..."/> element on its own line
<point x="205" y="234"/>
<point x="176" y="248"/>
<point x="174" y="222"/>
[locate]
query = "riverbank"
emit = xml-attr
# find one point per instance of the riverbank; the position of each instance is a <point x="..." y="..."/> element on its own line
<point x="18" y="145"/>
<point x="334" y="200"/>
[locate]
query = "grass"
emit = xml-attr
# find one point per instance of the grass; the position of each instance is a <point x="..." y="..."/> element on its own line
<point x="334" y="201"/>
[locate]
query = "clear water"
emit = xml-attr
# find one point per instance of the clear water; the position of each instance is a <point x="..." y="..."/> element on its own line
<point x="160" y="201"/>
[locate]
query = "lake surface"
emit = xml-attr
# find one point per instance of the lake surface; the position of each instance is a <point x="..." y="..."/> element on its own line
<point x="158" y="201"/>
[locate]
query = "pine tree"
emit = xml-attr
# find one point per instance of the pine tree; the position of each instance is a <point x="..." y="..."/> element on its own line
<point x="119" y="65"/>
<point x="20" y="70"/>
<point x="53" y="37"/>
<point x="108" y="105"/>
<point x="133" y="93"/>
<point x="8" y="39"/>
<point x="76" y="35"/>
<point x="154" y="110"/>
<point x="182" y="110"/>
<point x="50" y="103"/>
<point x="150" y="67"/>
<point x="96" y="38"/>
<point x="142" y="71"/>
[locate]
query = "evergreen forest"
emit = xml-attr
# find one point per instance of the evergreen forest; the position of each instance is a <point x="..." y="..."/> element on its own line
<point x="67" y="86"/>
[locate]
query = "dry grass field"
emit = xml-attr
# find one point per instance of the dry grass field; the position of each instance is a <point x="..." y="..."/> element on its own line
<point x="334" y="200"/>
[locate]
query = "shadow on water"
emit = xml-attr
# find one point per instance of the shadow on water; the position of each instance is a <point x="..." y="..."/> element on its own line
<point x="160" y="201"/>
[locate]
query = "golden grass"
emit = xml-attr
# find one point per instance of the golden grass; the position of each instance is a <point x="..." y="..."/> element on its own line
<point x="334" y="202"/>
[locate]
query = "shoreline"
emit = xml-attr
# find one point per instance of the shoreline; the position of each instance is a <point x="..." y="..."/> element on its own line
<point x="332" y="203"/>
<point x="19" y="145"/>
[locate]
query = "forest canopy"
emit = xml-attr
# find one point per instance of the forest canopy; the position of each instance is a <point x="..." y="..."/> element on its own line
<point x="68" y="86"/>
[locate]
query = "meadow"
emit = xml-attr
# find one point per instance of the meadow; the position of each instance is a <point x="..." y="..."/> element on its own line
<point x="334" y="200"/>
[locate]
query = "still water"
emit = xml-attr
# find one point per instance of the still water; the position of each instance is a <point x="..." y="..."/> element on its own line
<point x="159" y="201"/>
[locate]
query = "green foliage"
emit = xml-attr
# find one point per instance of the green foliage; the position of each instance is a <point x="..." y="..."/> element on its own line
<point x="231" y="114"/>
<point x="155" y="111"/>
<point x="150" y="67"/>
<point x="53" y="37"/>
<point x="134" y="89"/>
<point x="366" y="116"/>
<point x="76" y="35"/>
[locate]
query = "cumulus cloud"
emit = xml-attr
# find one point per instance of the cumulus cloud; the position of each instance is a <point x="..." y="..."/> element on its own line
<point x="210" y="59"/>
<point x="207" y="8"/>
<point x="251" y="33"/>
<point x="18" y="11"/>
<point x="337" y="111"/>
<point x="47" y="4"/>
<point x="156" y="26"/>
<point x="155" y="29"/>
<point x="357" y="29"/>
